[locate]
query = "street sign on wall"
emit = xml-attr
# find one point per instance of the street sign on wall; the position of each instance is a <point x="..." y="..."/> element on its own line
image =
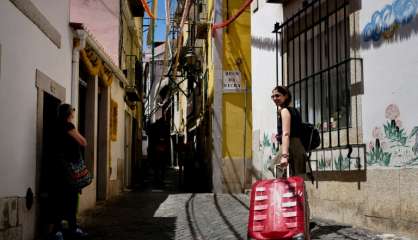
<point x="232" y="81"/>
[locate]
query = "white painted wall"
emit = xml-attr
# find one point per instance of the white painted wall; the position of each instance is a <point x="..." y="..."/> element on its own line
<point x="180" y="113"/>
<point x="264" y="79"/>
<point x="24" y="48"/>
<point x="101" y="18"/>
<point x="153" y="90"/>
<point x="117" y="151"/>
<point x="390" y="77"/>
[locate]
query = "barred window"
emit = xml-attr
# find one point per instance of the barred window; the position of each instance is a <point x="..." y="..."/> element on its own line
<point x="323" y="77"/>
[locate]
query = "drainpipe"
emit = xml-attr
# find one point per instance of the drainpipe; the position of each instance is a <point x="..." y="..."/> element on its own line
<point x="245" y="133"/>
<point x="217" y="130"/>
<point x="81" y="35"/>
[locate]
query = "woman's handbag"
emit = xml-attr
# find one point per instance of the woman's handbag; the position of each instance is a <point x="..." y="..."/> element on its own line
<point x="77" y="173"/>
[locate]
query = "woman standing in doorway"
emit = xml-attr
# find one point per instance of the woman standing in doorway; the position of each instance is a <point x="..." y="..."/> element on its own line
<point x="64" y="197"/>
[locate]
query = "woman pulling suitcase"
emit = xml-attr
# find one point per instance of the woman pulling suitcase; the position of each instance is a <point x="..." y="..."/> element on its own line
<point x="289" y="133"/>
<point x="279" y="207"/>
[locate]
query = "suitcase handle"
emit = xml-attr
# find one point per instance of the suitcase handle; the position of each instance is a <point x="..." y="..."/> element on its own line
<point x="277" y="166"/>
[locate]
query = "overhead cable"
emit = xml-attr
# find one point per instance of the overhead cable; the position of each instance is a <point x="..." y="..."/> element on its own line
<point x="184" y="16"/>
<point x="147" y="9"/>
<point x="230" y="20"/>
<point x="165" y="56"/>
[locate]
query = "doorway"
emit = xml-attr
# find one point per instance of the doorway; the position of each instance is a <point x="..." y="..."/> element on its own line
<point x="49" y="115"/>
<point x="102" y="162"/>
<point x="49" y="96"/>
<point x="128" y="151"/>
<point x="135" y="162"/>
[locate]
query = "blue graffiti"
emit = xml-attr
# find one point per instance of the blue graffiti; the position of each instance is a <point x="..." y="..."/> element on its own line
<point x="404" y="10"/>
<point x="385" y="21"/>
<point x="388" y="19"/>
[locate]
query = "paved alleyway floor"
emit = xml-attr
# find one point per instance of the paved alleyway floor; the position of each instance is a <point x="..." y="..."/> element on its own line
<point x="164" y="214"/>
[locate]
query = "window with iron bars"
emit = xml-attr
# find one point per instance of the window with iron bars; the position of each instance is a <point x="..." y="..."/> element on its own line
<point x="324" y="78"/>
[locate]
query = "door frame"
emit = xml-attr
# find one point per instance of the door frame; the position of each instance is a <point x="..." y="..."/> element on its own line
<point x="44" y="84"/>
<point x="128" y="150"/>
<point x="103" y="143"/>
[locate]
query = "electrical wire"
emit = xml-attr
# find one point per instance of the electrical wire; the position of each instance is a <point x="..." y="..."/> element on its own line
<point x="230" y="20"/>
<point x="147" y="9"/>
<point x="165" y="58"/>
<point x="185" y="14"/>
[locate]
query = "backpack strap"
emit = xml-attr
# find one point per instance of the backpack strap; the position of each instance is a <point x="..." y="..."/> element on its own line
<point x="309" y="173"/>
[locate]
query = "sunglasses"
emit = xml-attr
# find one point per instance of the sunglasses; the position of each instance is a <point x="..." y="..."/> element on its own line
<point x="276" y="95"/>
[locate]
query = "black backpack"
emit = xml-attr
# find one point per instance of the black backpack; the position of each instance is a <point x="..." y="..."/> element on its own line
<point x="310" y="136"/>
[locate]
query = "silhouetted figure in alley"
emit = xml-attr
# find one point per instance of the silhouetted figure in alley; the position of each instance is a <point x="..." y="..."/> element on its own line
<point x="159" y="147"/>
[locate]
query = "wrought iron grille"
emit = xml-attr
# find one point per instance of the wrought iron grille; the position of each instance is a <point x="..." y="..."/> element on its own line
<point x="324" y="79"/>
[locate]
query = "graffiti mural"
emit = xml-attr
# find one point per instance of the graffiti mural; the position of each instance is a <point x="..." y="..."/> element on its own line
<point x="387" y="21"/>
<point x="338" y="161"/>
<point x="269" y="148"/>
<point x="264" y="152"/>
<point x="392" y="145"/>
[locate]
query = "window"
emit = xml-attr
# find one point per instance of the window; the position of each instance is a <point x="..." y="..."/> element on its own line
<point x="317" y="64"/>
<point x="113" y="120"/>
<point x="319" y="71"/>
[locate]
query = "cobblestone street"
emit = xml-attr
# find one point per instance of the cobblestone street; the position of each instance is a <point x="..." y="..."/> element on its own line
<point x="161" y="214"/>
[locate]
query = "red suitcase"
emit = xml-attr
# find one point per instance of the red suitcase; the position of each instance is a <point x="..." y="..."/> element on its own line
<point x="278" y="209"/>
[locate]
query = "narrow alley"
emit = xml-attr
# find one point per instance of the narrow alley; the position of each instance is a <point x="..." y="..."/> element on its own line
<point x="166" y="214"/>
<point x="164" y="119"/>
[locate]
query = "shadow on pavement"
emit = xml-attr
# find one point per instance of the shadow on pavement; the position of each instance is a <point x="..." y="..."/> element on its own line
<point x="320" y="231"/>
<point x="132" y="214"/>
<point x="126" y="218"/>
<point x="195" y="231"/>
<point x="337" y="231"/>
<point x="225" y="218"/>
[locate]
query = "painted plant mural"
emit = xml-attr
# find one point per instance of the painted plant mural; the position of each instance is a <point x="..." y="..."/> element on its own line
<point x="392" y="145"/>
<point x="270" y="147"/>
<point x="265" y="151"/>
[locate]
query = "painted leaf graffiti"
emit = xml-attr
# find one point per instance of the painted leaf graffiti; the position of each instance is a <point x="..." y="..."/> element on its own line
<point x="341" y="163"/>
<point x="413" y="132"/>
<point x="322" y="164"/>
<point x="266" y="140"/>
<point x="394" y="133"/>
<point x="395" y="147"/>
<point x="378" y="156"/>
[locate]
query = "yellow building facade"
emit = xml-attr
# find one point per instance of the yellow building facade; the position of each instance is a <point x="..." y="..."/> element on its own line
<point x="229" y="52"/>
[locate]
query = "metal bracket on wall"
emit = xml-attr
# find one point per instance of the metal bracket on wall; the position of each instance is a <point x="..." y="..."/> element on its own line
<point x="177" y="85"/>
